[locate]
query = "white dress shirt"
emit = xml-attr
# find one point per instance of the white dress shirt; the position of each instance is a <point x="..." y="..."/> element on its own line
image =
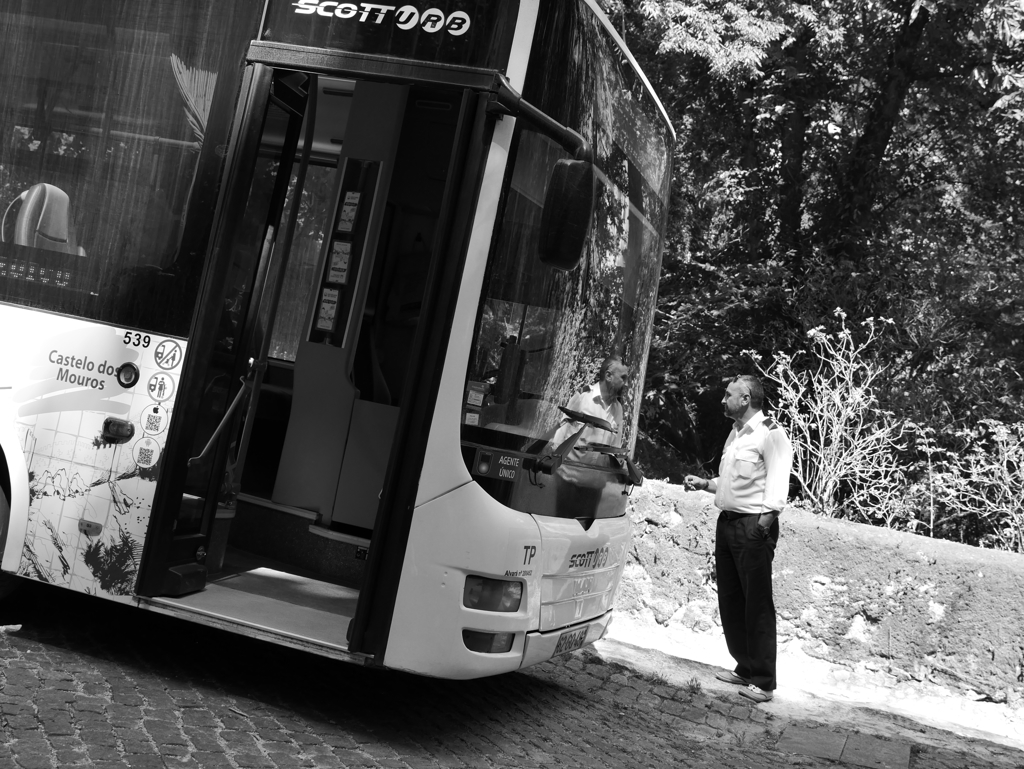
<point x="590" y="402"/>
<point x="753" y="476"/>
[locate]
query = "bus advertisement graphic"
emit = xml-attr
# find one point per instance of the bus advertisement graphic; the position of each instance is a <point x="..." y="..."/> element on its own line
<point x="90" y="488"/>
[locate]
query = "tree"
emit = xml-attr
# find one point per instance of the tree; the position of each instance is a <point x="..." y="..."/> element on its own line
<point x="839" y="153"/>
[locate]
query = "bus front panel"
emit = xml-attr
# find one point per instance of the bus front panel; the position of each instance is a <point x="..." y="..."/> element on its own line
<point x="476" y="604"/>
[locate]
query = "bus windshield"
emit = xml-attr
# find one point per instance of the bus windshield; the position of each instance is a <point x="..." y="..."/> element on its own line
<point x="543" y="334"/>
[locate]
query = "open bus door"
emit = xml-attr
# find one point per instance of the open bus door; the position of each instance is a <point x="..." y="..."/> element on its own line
<point x="320" y="340"/>
<point x="212" y="399"/>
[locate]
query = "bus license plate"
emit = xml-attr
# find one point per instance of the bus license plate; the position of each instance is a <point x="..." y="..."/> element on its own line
<point x="571" y="641"/>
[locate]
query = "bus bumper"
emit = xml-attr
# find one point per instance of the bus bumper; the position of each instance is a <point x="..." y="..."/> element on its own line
<point x="544" y="646"/>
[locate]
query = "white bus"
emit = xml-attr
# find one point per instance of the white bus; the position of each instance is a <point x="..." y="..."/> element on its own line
<point x="295" y="298"/>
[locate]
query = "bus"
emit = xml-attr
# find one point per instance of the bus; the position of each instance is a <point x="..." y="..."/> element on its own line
<point x="307" y="308"/>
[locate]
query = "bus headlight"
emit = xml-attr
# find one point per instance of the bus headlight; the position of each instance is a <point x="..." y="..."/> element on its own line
<point x="487" y="643"/>
<point x="492" y="594"/>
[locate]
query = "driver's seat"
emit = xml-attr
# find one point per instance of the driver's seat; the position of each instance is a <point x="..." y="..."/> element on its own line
<point x="42" y="219"/>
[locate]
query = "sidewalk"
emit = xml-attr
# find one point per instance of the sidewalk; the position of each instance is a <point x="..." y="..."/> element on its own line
<point x="823" y="711"/>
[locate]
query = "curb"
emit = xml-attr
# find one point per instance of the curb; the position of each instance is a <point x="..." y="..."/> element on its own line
<point x="798" y="723"/>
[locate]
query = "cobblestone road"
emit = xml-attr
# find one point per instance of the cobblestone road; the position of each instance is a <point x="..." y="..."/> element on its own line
<point x="90" y="683"/>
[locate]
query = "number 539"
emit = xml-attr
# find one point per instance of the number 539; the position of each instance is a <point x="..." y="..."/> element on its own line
<point x="135" y="339"/>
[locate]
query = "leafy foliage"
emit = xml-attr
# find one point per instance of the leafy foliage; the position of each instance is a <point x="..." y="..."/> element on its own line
<point x="838" y="153"/>
<point x="974" y="490"/>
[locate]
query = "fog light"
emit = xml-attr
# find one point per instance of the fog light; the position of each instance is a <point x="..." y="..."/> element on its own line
<point x="487" y="643"/>
<point x="492" y="594"/>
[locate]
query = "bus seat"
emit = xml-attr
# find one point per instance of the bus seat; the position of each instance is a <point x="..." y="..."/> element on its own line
<point x="43" y="220"/>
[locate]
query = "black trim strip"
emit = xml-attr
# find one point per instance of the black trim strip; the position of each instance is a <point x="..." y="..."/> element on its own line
<point x="246" y="131"/>
<point x="326" y="61"/>
<point x="371" y="626"/>
<point x="256" y="340"/>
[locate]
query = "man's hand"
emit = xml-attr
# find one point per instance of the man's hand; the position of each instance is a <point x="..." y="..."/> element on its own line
<point x="693" y="482"/>
<point x="765" y="520"/>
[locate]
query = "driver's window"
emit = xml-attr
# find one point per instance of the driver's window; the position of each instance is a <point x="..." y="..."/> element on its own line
<point x="514" y="358"/>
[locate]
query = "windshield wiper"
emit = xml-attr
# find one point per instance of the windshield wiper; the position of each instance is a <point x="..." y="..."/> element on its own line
<point x="548" y="463"/>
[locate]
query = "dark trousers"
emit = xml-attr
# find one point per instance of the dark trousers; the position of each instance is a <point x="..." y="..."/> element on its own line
<point x="743" y="562"/>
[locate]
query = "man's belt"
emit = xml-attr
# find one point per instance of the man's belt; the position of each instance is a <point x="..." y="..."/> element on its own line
<point x="732" y="515"/>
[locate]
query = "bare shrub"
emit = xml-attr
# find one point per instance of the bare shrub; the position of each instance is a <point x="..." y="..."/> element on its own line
<point x="845" y="446"/>
<point x="972" y="489"/>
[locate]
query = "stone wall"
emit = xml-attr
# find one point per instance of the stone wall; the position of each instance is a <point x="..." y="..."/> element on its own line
<point x="913" y="606"/>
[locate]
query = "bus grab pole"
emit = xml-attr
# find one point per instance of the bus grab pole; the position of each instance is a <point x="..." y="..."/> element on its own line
<point x="246" y="384"/>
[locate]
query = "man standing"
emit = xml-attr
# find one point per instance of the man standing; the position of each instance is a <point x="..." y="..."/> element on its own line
<point x="750" y="490"/>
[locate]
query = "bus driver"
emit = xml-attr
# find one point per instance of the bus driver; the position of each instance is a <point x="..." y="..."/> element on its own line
<point x="579" y="488"/>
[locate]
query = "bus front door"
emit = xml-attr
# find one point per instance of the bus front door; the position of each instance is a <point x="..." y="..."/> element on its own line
<point x="334" y="235"/>
<point x="222" y="372"/>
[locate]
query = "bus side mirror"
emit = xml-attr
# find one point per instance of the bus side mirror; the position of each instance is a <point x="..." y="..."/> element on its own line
<point x="568" y="209"/>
